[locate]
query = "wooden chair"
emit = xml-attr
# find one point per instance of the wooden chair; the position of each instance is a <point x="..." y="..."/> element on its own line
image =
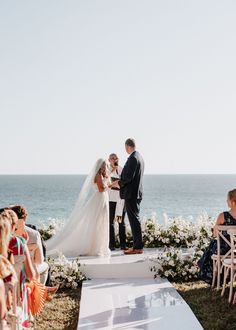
<point x="229" y="264"/>
<point x="218" y="258"/>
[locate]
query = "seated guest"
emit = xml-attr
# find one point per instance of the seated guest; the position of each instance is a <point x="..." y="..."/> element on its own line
<point x="7" y="275"/>
<point x="29" y="287"/>
<point x="9" y="279"/>
<point x="36" y="253"/>
<point x="23" y="266"/>
<point x="7" y="272"/>
<point x="34" y="243"/>
<point x="227" y="218"/>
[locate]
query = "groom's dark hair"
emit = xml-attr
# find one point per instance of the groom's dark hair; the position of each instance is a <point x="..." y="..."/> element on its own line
<point x="130" y="143"/>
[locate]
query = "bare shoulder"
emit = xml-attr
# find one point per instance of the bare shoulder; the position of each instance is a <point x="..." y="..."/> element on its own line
<point x="220" y="219"/>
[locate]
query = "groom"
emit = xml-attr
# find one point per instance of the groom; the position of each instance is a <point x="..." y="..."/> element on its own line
<point x="131" y="190"/>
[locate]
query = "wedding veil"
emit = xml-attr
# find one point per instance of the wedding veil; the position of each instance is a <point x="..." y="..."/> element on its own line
<point x="59" y="242"/>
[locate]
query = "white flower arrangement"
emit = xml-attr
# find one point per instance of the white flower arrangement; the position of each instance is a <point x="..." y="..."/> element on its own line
<point x="174" y="236"/>
<point x="173" y="265"/>
<point x="176" y="232"/>
<point x="66" y="272"/>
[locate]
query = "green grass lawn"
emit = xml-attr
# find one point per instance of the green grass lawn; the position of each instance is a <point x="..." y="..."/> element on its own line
<point x="213" y="311"/>
<point x="61" y="313"/>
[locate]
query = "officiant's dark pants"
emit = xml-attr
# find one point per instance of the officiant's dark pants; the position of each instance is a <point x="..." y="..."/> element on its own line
<point x="122" y="234"/>
<point x="132" y="208"/>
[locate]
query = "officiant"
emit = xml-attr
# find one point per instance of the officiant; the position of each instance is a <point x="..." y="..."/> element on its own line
<point x="116" y="205"/>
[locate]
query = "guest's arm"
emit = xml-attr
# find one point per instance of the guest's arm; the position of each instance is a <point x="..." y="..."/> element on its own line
<point x="219" y="221"/>
<point x="35" y="253"/>
<point x="39" y="257"/>
<point x="29" y="268"/>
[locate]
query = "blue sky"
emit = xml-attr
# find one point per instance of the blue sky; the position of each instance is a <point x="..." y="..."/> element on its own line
<point x="79" y="77"/>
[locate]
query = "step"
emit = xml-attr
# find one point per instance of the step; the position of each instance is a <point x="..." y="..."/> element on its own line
<point x="119" y="265"/>
<point x="134" y="303"/>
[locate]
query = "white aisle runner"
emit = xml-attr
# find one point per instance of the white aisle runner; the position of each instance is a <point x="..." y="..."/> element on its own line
<point x="138" y="303"/>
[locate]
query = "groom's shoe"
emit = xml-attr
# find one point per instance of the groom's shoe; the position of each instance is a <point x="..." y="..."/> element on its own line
<point x="133" y="251"/>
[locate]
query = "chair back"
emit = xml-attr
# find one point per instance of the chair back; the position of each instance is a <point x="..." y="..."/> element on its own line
<point x="232" y="234"/>
<point x="220" y="229"/>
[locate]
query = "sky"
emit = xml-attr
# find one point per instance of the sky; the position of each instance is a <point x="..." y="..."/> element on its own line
<point x="78" y="77"/>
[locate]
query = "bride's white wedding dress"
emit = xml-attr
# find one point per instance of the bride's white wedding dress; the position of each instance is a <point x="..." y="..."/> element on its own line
<point x="87" y="230"/>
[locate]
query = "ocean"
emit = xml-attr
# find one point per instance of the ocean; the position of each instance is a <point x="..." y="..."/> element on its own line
<point x="54" y="196"/>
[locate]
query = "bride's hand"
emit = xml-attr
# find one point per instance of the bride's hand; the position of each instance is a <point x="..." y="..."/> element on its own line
<point x="115" y="184"/>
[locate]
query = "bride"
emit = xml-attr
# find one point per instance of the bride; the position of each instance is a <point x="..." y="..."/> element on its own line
<point x="87" y="230"/>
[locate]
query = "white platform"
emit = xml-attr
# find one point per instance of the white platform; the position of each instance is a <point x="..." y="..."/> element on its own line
<point x="134" y="303"/>
<point x="119" y="265"/>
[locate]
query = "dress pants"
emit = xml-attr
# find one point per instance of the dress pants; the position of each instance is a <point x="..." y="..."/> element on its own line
<point x="132" y="208"/>
<point x="122" y="234"/>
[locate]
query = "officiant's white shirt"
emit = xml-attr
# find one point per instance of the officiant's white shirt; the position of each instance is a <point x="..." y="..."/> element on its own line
<point x="114" y="195"/>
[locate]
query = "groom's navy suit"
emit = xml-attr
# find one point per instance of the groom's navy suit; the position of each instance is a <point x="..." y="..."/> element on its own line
<point x="131" y="190"/>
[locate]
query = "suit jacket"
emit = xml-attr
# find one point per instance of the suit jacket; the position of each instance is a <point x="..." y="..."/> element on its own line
<point x="131" y="182"/>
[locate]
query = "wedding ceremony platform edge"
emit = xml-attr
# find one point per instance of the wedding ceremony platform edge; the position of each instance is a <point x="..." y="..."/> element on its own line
<point x="121" y="293"/>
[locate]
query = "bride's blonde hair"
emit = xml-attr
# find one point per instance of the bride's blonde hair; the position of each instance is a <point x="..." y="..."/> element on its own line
<point x="103" y="170"/>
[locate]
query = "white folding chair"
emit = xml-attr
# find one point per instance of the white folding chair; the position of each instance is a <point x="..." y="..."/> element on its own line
<point x="218" y="258"/>
<point x="229" y="264"/>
